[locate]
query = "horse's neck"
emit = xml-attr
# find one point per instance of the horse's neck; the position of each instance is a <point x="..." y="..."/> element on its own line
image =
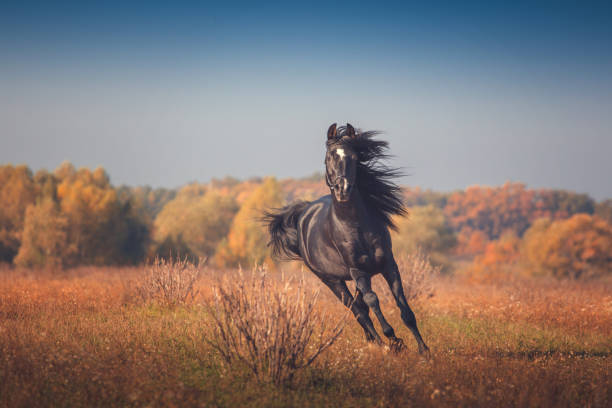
<point x="351" y="212"/>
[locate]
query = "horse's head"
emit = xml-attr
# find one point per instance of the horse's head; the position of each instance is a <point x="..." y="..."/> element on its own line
<point x="340" y="162"/>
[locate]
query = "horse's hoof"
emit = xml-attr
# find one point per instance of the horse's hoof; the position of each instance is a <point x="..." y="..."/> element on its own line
<point x="424" y="351"/>
<point x="397" y="345"/>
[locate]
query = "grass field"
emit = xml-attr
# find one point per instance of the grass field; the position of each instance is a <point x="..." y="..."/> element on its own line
<point x="84" y="338"/>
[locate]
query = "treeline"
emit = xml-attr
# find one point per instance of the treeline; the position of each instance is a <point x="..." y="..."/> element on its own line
<point x="510" y="229"/>
<point x="67" y="218"/>
<point x="72" y="217"/>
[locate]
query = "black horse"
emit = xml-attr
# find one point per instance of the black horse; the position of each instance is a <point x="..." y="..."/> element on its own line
<point x="345" y="235"/>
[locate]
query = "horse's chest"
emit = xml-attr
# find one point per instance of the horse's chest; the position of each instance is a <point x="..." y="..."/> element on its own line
<point x="364" y="250"/>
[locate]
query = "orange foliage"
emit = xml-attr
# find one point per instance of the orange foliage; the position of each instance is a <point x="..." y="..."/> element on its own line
<point x="511" y="207"/>
<point x="492" y="210"/>
<point x="496" y="263"/>
<point x="471" y="242"/>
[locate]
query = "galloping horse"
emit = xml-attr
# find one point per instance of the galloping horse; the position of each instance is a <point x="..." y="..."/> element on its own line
<point x="345" y="235"/>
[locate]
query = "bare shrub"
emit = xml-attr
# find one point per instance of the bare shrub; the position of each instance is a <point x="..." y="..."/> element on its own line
<point x="418" y="275"/>
<point x="271" y="327"/>
<point x="170" y="282"/>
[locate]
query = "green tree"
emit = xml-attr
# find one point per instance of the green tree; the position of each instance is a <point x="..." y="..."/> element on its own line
<point x="425" y="228"/>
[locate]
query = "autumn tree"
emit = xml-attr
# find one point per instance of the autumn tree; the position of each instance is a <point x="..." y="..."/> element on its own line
<point x="91" y="206"/>
<point x="17" y="191"/>
<point x="471" y="242"/>
<point x="415" y="196"/>
<point x="425" y="228"/>
<point x="497" y="262"/>
<point x="604" y="210"/>
<point x="83" y="210"/>
<point x="508" y="208"/>
<point x="492" y="210"/>
<point x="194" y="223"/>
<point x="146" y="201"/>
<point x="561" y="204"/>
<point x="578" y="247"/>
<point x="246" y="243"/>
<point x="45" y="235"/>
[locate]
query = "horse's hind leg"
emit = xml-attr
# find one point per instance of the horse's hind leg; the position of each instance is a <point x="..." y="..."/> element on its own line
<point x="392" y="276"/>
<point x="357" y="306"/>
<point x="364" y="286"/>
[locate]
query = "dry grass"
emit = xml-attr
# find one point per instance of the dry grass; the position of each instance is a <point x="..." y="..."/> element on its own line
<point x="69" y="338"/>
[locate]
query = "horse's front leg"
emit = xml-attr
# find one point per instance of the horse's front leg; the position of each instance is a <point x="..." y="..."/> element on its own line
<point x="364" y="286"/>
<point x="356" y="305"/>
<point x="393" y="278"/>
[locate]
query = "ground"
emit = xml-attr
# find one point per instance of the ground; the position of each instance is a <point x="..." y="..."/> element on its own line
<point x="84" y="338"/>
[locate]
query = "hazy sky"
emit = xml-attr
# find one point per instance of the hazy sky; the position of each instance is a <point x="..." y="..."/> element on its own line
<point x="476" y="93"/>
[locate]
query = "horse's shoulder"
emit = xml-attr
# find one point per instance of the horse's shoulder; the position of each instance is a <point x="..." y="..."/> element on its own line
<point x="325" y="200"/>
<point x="316" y="206"/>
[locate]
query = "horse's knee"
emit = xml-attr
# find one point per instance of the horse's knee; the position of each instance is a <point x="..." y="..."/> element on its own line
<point x="371" y="299"/>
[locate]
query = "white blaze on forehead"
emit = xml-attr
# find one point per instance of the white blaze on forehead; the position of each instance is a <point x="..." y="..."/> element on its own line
<point x="340" y="152"/>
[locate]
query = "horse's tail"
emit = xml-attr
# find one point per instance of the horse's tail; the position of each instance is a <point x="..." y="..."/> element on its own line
<point x="282" y="226"/>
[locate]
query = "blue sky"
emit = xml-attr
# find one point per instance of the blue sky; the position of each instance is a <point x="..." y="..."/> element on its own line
<point x="163" y="94"/>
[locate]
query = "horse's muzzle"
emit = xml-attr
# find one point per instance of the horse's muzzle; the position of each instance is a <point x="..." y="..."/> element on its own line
<point x="342" y="189"/>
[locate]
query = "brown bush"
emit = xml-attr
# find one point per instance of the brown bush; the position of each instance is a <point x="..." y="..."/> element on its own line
<point x="170" y="282"/>
<point x="271" y="327"/>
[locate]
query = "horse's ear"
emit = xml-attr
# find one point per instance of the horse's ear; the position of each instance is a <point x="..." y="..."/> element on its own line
<point x="331" y="132"/>
<point x="350" y="130"/>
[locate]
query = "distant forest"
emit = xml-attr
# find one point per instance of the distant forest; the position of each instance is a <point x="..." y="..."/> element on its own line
<point x="72" y="217"/>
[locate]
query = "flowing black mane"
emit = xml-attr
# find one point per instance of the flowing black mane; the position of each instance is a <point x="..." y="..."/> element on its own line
<point x="374" y="178"/>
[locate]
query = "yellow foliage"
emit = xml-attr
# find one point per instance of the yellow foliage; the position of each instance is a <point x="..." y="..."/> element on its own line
<point x="194" y="222"/>
<point x="246" y="243"/>
<point x="17" y="191"/>
<point x="99" y="226"/>
<point x="44" y="237"/>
